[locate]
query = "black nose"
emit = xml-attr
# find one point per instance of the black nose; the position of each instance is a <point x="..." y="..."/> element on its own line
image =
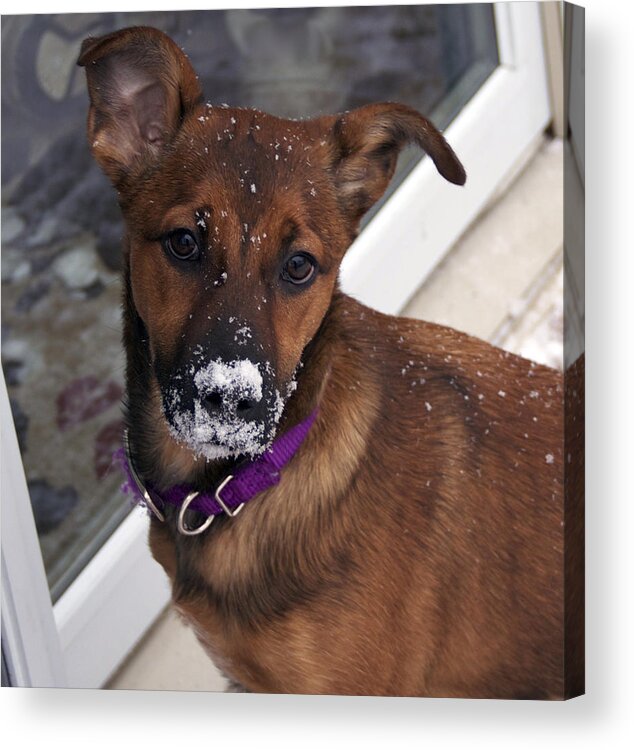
<point x="224" y="402"/>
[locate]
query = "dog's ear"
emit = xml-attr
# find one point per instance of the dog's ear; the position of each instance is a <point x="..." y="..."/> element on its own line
<point x="141" y="85"/>
<point x="366" y="143"/>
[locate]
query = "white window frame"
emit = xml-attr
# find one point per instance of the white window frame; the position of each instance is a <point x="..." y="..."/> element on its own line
<point x="426" y="215"/>
<point x="84" y="637"/>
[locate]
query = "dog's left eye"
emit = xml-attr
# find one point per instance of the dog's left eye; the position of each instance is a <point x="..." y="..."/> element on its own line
<point x="182" y="244"/>
<point x="299" y="268"/>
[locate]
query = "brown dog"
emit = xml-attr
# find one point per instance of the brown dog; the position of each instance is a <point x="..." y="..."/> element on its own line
<point x="414" y="543"/>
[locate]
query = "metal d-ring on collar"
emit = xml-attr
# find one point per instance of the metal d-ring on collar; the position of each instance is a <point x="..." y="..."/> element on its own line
<point x="182" y="528"/>
<point x="185" y="530"/>
<point x="209" y="520"/>
<point x="137" y="479"/>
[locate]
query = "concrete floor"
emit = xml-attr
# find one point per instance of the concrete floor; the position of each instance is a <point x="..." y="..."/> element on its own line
<point x="503" y="281"/>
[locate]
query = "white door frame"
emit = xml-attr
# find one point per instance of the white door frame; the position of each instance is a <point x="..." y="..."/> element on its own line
<point x="82" y="639"/>
<point x="30" y="639"/>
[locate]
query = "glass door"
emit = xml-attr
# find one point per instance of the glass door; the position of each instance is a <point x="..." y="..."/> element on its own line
<point x="61" y="234"/>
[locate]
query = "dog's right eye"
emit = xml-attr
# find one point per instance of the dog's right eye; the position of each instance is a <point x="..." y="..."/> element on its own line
<point x="182" y="244"/>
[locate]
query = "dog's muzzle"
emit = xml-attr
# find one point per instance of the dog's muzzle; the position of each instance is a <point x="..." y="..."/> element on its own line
<point x="224" y="409"/>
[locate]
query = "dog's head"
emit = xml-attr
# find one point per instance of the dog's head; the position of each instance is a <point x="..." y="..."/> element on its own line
<point x="237" y="222"/>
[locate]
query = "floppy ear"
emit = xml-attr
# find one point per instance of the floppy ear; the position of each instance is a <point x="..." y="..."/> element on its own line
<point x="140" y="85"/>
<point x="367" y="142"/>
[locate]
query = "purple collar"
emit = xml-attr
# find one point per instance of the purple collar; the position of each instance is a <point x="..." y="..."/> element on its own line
<point x="237" y="489"/>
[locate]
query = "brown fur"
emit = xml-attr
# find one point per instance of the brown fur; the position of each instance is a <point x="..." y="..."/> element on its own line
<point x="414" y="545"/>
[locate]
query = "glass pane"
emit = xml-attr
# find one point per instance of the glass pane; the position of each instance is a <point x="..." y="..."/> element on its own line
<point x="61" y="228"/>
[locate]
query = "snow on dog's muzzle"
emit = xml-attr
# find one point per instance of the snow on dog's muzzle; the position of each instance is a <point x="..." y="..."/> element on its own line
<point x="222" y="409"/>
<point x="231" y="389"/>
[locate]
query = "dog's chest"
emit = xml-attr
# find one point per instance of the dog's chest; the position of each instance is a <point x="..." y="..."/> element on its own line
<point x="236" y="649"/>
<point x="294" y="652"/>
<point x="250" y="649"/>
<point x="272" y="637"/>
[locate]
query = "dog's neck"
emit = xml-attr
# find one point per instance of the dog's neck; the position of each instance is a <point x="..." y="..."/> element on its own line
<point x="273" y="533"/>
